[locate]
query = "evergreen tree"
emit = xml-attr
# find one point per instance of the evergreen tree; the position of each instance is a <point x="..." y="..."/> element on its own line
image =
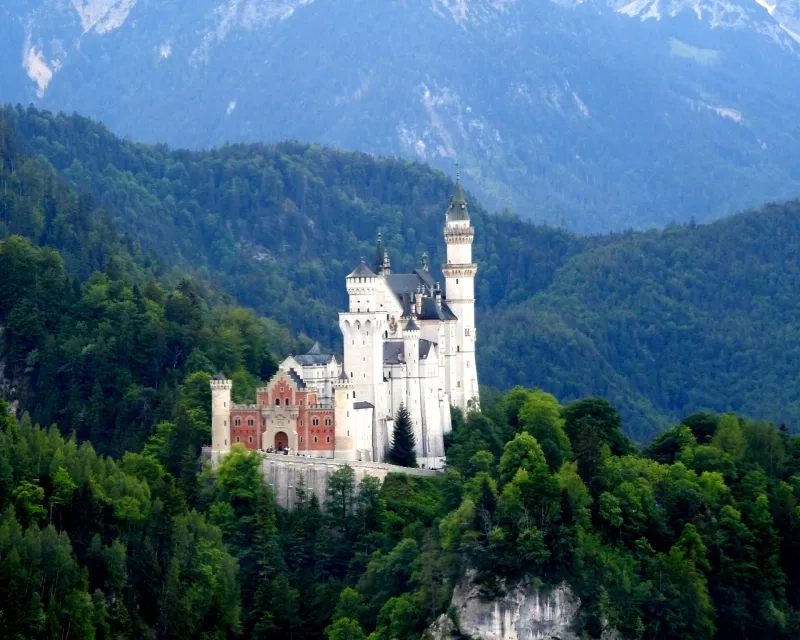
<point x="403" y="451"/>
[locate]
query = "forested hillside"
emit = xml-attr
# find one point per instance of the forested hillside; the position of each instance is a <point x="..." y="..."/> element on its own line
<point x="662" y="323"/>
<point x="667" y="323"/>
<point x="698" y="537"/>
<point x="94" y="337"/>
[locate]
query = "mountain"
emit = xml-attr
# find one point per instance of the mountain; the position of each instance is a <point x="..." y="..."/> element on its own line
<point x="598" y="114"/>
<point x="662" y="323"/>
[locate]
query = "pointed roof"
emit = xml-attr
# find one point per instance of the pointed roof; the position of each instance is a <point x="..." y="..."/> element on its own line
<point x="343" y="376"/>
<point x="458" y="203"/>
<point x="412" y="326"/>
<point x="315" y="356"/>
<point x="362" y="270"/>
<point x="219" y="377"/>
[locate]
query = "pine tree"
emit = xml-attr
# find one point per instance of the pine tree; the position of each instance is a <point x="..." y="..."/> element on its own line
<point x="403" y="451"/>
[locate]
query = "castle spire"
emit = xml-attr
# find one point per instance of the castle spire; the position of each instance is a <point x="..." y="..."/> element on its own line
<point x="387" y="265"/>
<point x="377" y="264"/>
<point x="458" y="203"/>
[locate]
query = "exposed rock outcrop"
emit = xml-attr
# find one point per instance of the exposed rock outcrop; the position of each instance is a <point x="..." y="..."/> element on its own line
<point x="525" y="612"/>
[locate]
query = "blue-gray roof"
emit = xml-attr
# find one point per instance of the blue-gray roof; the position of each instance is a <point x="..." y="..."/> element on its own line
<point x="315" y="356"/>
<point x="361" y="270"/>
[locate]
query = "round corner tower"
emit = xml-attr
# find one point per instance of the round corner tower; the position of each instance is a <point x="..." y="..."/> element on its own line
<point x="220" y="413"/>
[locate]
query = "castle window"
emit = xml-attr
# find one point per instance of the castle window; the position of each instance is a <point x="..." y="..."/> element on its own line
<point x="226" y="442"/>
<point x="466" y="331"/>
<point x="456" y="280"/>
<point x="224" y="404"/>
<point x="327" y="421"/>
<point x="348" y="433"/>
<point x="301" y="403"/>
<point x="237" y="439"/>
<point x="238" y="422"/>
<point x="250" y="422"/>
<point x="354" y="394"/>
<point x="458" y="384"/>
<point x="315" y="439"/>
<point x="301" y="423"/>
<point x="301" y="439"/>
<point x="286" y="402"/>
<point x="315" y="422"/>
<point x="328" y="439"/>
<point x="277" y="401"/>
<point x="224" y="423"/>
<point x="250" y="439"/>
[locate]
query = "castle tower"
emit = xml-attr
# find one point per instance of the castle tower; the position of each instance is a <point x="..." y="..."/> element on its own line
<point x="411" y="336"/>
<point x="362" y="333"/>
<point x="459" y="273"/>
<point x="220" y="413"/>
<point x="346" y="437"/>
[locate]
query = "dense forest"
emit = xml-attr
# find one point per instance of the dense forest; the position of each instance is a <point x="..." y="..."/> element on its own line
<point x="697" y="536"/>
<point x="662" y="323"/>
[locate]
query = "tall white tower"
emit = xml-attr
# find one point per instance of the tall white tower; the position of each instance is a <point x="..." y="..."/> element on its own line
<point x="362" y="333"/>
<point x="459" y="273"/>
<point x="221" y="413"/>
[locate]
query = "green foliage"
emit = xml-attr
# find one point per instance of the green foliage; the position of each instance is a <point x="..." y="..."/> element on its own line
<point x="403" y="452"/>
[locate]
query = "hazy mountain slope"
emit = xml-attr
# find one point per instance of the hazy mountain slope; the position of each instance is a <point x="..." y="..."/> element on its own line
<point x="662" y="323"/>
<point x="583" y="112"/>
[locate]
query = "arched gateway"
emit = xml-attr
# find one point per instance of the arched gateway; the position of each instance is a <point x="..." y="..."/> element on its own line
<point x="281" y="441"/>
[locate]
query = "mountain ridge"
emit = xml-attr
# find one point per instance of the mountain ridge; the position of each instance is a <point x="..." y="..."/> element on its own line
<point x="564" y="112"/>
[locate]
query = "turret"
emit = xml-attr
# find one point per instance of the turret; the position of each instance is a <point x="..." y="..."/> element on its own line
<point x="361" y="286"/>
<point x="220" y="413"/>
<point x="345" y="436"/>
<point x="377" y="263"/>
<point x="459" y="273"/>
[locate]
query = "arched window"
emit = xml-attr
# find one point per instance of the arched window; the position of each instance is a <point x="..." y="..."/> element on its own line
<point x="250" y="439"/>
<point x="286" y="401"/>
<point x="237" y="439"/>
<point x="250" y="422"/>
<point x="328" y="439"/>
<point x="327" y="422"/>
<point x="277" y="402"/>
<point x="301" y="439"/>
<point x="315" y="422"/>
<point x="315" y="438"/>
<point x="301" y="423"/>
<point x="238" y="422"/>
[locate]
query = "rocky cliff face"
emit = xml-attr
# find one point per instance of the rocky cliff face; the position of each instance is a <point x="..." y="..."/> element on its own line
<point x="524" y="613"/>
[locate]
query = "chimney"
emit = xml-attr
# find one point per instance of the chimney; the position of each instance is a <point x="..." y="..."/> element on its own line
<point x="437" y="295"/>
<point x="418" y="300"/>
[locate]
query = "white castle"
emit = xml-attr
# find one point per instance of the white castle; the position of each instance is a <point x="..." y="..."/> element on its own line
<point x="407" y="341"/>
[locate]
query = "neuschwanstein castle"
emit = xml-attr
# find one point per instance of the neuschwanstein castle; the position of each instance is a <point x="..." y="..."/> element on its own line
<point x="407" y="340"/>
